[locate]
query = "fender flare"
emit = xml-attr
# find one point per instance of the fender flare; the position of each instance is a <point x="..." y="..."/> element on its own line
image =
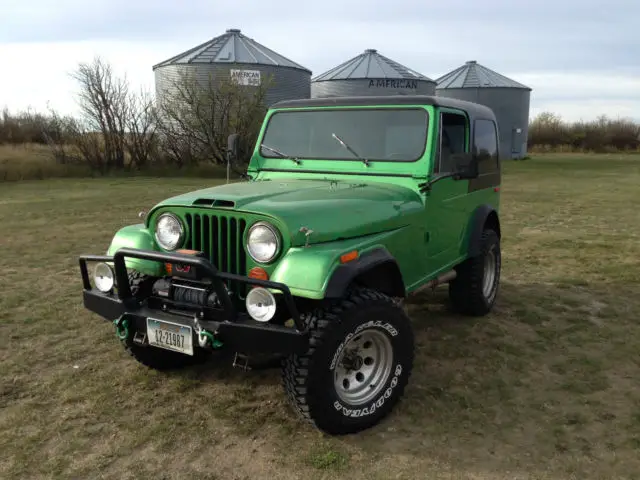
<point x="482" y="216"/>
<point x="137" y="236"/>
<point x="387" y="277"/>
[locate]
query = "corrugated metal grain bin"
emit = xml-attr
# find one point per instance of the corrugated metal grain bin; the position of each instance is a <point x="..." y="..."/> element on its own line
<point x="509" y="100"/>
<point x="371" y="74"/>
<point x="234" y="54"/>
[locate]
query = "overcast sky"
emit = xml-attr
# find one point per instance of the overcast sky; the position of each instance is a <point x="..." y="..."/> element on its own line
<point x="581" y="57"/>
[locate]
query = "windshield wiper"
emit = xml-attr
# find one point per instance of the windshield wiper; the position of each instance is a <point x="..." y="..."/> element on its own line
<point x="343" y="143"/>
<point x="280" y="154"/>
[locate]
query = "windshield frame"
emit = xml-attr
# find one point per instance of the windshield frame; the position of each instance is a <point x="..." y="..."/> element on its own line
<point x="348" y="156"/>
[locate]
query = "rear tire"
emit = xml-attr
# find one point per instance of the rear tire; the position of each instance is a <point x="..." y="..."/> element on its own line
<point x="357" y="366"/>
<point x="474" y="290"/>
<point x="153" y="357"/>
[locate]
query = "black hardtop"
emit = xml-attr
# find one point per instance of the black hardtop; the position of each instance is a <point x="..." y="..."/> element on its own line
<point x="473" y="109"/>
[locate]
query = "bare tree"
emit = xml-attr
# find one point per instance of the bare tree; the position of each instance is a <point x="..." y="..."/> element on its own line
<point x="104" y="107"/>
<point x="113" y="123"/>
<point x="196" y="117"/>
<point x="141" y="138"/>
<point x="189" y="126"/>
<point x="62" y="136"/>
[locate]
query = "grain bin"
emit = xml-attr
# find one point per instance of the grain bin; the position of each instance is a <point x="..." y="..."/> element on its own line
<point x="234" y="54"/>
<point x="371" y="74"/>
<point x="507" y="98"/>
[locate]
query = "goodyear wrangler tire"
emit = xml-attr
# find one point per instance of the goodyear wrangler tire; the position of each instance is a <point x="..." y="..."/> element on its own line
<point x="358" y="363"/>
<point x="474" y="290"/>
<point x="152" y="357"/>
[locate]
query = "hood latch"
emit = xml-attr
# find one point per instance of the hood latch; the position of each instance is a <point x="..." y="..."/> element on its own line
<point x="307" y="232"/>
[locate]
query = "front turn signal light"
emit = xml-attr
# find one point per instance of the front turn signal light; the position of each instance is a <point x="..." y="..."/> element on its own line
<point x="258" y="273"/>
<point x="349" y="256"/>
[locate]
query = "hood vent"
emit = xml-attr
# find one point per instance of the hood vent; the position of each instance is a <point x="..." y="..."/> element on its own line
<point x="210" y="202"/>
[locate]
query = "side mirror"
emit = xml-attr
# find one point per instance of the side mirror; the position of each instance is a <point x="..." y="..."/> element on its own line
<point x="232" y="148"/>
<point x="466" y="165"/>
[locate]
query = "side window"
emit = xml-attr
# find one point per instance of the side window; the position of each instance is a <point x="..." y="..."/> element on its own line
<point x="453" y="140"/>
<point x="485" y="146"/>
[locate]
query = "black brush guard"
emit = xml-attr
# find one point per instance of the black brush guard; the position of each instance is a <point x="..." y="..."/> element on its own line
<point x="234" y="328"/>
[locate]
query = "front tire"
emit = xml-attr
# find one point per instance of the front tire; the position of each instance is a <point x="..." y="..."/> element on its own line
<point x="474" y="290"/>
<point x="358" y="363"/>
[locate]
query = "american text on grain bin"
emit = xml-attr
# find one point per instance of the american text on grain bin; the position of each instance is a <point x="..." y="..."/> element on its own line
<point x="246" y="77"/>
<point x="393" y="83"/>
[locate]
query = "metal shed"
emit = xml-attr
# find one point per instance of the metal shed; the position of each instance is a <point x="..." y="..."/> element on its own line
<point x="508" y="99"/>
<point x="234" y="54"/>
<point x="371" y="74"/>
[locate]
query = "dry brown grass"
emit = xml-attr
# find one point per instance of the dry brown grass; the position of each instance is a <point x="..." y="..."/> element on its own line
<point x="545" y="387"/>
<point x="33" y="161"/>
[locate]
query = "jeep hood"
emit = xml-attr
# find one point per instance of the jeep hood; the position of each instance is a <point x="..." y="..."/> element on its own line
<point x="332" y="209"/>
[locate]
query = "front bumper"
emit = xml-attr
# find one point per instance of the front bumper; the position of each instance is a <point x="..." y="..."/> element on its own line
<point x="233" y="328"/>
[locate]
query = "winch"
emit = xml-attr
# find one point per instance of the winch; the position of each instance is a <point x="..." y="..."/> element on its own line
<point x="194" y="293"/>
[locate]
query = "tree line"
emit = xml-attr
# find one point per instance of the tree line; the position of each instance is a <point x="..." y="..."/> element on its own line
<point x="548" y="132"/>
<point x="119" y="128"/>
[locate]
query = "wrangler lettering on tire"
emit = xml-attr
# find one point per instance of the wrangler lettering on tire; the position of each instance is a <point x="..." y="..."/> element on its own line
<point x="356" y="368"/>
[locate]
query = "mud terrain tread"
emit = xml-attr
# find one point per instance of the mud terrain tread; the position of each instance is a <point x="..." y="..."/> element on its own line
<point x="139" y="283"/>
<point x="295" y="368"/>
<point x="466" y="290"/>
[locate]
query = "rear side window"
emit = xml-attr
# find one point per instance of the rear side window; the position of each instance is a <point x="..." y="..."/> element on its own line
<point x="485" y="145"/>
<point x="453" y="140"/>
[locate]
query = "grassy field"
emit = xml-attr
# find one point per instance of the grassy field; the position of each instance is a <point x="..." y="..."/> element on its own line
<point x="31" y="161"/>
<point x="545" y="387"/>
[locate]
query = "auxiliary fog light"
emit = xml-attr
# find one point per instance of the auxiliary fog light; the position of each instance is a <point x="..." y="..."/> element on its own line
<point x="103" y="277"/>
<point x="261" y="304"/>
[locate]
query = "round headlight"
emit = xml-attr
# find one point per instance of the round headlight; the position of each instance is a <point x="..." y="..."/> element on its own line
<point x="169" y="231"/>
<point x="103" y="277"/>
<point x="261" y="304"/>
<point x="263" y="242"/>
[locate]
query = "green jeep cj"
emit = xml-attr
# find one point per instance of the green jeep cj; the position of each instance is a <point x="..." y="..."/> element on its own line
<point x="350" y="205"/>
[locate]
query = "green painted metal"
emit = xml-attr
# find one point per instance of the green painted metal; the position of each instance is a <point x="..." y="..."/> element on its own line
<point x="294" y="203"/>
<point x="346" y="205"/>
<point x="137" y="236"/>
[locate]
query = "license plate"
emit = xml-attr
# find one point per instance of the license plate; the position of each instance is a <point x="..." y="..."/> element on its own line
<point x="170" y="336"/>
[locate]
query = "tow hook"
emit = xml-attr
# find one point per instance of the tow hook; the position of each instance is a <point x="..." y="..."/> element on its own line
<point x="122" y="327"/>
<point x="205" y="337"/>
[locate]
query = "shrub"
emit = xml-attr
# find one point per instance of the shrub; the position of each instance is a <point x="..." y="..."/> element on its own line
<point x="547" y="132"/>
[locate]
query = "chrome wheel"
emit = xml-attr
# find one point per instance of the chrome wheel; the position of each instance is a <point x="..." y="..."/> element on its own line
<point x="363" y="367"/>
<point x="489" y="276"/>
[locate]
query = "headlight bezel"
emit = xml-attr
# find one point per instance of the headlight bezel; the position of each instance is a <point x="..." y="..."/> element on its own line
<point x="181" y="238"/>
<point x="111" y="276"/>
<point x="277" y="236"/>
<point x="270" y="297"/>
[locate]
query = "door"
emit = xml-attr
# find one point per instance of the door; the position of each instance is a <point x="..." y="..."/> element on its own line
<point x="516" y="142"/>
<point x="446" y="208"/>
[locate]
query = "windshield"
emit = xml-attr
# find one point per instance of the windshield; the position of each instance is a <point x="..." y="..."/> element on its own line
<point x="391" y="134"/>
